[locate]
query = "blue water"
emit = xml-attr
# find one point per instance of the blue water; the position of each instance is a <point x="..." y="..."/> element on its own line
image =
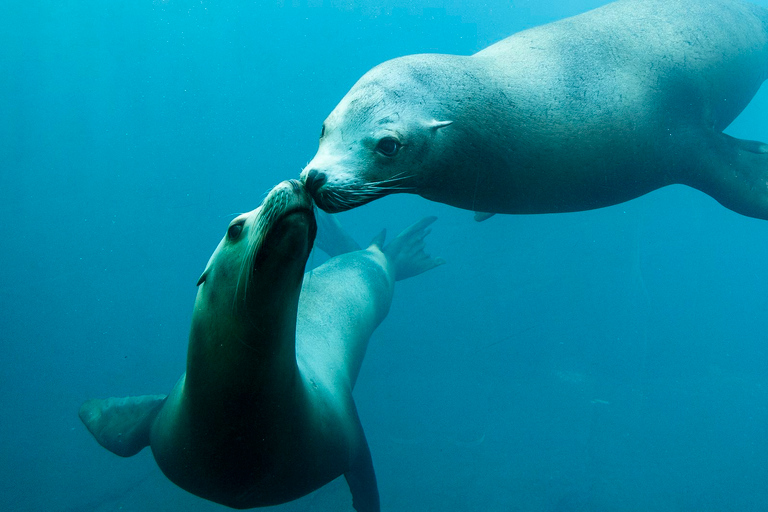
<point x="613" y="360"/>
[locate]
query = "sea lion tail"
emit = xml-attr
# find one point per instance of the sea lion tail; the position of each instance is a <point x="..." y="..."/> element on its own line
<point x="122" y="425"/>
<point x="406" y="251"/>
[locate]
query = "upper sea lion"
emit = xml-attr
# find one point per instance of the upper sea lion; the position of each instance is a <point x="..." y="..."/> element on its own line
<point x="582" y="113"/>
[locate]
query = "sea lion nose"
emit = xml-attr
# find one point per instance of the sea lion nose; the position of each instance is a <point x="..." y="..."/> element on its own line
<point x="314" y="180"/>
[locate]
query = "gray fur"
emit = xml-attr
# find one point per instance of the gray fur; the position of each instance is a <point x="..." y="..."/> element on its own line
<point x="582" y="113"/>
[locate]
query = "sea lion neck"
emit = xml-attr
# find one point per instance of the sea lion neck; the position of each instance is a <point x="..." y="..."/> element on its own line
<point x="243" y="332"/>
<point x="253" y="352"/>
<point x="270" y="304"/>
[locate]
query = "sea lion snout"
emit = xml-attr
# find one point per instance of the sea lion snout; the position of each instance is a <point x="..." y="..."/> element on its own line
<point x="287" y="195"/>
<point x="287" y="207"/>
<point x="316" y="182"/>
<point x="313" y="180"/>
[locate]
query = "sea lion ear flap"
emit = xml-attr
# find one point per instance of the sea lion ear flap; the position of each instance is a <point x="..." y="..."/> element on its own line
<point x="204" y="275"/>
<point x="436" y="125"/>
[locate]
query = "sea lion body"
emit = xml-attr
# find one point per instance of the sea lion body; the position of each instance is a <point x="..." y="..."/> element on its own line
<point x="582" y="113"/>
<point x="264" y="413"/>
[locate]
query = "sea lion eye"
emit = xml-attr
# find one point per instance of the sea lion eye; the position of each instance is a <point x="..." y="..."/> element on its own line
<point x="234" y="231"/>
<point x="388" y="146"/>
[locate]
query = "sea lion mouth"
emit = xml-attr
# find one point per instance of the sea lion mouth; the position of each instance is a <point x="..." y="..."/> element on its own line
<point x="285" y="213"/>
<point x="335" y="198"/>
<point x="281" y="237"/>
<point x="280" y="228"/>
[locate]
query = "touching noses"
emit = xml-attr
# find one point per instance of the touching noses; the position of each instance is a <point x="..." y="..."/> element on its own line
<point x="313" y="180"/>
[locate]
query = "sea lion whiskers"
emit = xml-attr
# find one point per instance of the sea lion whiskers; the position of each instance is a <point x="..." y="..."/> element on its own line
<point x="364" y="192"/>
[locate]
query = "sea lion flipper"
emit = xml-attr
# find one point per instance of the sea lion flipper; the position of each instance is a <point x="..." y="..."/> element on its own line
<point x="753" y="146"/>
<point x="379" y="239"/>
<point x="122" y="425"/>
<point x="406" y="251"/>
<point x="361" y="479"/>
<point x="481" y="216"/>
<point x="735" y="173"/>
<point x="332" y="238"/>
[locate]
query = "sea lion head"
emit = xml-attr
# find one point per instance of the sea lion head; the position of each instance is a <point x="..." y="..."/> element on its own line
<point x="252" y="281"/>
<point x="379" y="138"/>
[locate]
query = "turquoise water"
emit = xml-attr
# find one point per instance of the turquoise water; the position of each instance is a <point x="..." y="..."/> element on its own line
<point x="613" y="360"/>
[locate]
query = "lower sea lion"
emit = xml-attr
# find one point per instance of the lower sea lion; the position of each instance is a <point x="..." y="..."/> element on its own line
<point x="264" y="413"/>
<point x="582" y="113"/>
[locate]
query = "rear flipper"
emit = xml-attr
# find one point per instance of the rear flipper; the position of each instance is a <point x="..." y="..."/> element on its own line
<point x="122" y="425"/>
<point x="735" y="173"/>
<point x="406" y="252"/>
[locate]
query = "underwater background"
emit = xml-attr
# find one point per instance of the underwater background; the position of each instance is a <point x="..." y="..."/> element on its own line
<point x="612" y="360"/>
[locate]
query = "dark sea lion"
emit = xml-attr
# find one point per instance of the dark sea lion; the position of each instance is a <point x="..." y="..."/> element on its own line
<point x="264" y="413"/>
<point x="583" y="113"/>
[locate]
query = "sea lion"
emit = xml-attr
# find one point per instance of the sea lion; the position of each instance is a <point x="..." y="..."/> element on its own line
<point x="582" y="113"/>
<point x="264" y="413"/>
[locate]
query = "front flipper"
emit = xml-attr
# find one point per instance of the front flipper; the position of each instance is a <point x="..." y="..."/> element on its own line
<point x="735" y="173"/>
<point x="481" y="216"/>
<point x="362" y="480"/>
<point x="122" y="425"/>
